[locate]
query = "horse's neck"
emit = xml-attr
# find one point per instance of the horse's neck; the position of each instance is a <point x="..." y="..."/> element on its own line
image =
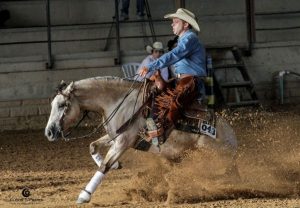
<point x="88" y="100"/>
<point x="100" y="97"/>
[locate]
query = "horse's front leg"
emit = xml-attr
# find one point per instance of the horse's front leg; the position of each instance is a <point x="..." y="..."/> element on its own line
<point x="95" y="147"/>
<point x="115" y="151"/>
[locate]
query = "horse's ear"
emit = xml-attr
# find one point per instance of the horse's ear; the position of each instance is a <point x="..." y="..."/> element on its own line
<point x="63" y="82"/>
<point x="61" y="86"/>
<point x="69" y="89"/>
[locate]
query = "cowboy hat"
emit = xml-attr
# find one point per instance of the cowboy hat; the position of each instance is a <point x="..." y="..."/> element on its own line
<point x="156" y="45"/>
<point x="185" y="15"/>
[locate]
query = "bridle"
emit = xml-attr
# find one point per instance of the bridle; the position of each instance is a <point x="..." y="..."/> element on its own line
<point x="66" y="108"/>
<point x="64" y="113"/>
<point x="105" y="122"/>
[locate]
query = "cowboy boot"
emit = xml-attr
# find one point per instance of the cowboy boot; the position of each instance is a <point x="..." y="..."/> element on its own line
<point x="154" y="131"/>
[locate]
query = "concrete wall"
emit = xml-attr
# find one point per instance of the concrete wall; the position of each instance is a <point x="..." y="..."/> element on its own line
<point x="26" y="85"/>
<point x="219" y="24"/>
<point x="267" y="61"/>
<point x="24" y="114"/>
<point x="279" y="21"/>
<point x="25" y="96"/>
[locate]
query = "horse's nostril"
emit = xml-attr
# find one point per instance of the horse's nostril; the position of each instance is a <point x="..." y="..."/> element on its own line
<point x="49" y="133"/>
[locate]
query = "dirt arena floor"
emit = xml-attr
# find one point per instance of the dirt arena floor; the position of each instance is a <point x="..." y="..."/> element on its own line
<point x="54" y="173"/>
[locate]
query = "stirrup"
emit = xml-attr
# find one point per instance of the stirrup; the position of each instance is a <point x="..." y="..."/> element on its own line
<point x="154" y="136"/>
<point x="154" y="132"/>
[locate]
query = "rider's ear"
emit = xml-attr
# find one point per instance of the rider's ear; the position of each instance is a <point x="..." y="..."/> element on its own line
<point x="69" y="89"/>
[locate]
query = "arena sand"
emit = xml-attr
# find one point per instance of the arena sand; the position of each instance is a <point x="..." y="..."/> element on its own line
<point x="268" y="161"/>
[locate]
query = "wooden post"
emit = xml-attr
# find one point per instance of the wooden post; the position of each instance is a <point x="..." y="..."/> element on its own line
<point x="180" y="3"/>
<point x="251" y="32"/>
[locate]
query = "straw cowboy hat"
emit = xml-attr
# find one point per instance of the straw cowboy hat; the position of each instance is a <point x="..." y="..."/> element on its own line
<point x="185" y="15"/>
<point x="156" y="45"/>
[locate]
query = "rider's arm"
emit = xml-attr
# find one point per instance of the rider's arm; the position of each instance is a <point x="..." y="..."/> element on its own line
<point x="185" y="45"/>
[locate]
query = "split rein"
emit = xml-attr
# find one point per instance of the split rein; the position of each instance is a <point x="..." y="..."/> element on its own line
<point x="107" y="120"/>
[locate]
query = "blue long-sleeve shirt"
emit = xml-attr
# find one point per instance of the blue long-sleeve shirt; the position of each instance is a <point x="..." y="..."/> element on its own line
<point x="188" y="57"/>
<point x="164" y="72"/>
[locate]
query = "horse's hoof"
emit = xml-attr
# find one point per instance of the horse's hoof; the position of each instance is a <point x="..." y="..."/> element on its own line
<point x="84" y="197"/>
<point x="117" y="165"/>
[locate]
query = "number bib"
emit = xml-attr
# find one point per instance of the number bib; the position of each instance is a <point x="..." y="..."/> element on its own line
<point x="208" y="130"/>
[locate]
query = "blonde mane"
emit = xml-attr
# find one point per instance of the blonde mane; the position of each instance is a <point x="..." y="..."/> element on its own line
<point x="116" y="83"/>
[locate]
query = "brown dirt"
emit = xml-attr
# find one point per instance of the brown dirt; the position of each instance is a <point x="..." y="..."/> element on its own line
<point x="268" y="161"/>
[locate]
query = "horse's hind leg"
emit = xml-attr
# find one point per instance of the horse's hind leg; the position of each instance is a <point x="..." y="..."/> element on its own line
<point x="232" y="170"/>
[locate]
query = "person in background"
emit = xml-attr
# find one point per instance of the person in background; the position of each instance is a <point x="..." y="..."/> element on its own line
<point x="172" y="43"/>
<point x="155" y="51"/>
<point x="4" y="16"/>
<point x="125" y="9"/>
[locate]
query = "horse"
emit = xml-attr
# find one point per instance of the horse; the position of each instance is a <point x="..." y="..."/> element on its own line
<point x="118" y="100"/>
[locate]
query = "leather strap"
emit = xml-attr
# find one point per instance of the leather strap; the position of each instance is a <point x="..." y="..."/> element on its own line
<point x="180" y="76"/>
<point x="135" y="115"/>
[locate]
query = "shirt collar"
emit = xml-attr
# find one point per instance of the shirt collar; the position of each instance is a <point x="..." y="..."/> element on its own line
<point x="185" y="34"/>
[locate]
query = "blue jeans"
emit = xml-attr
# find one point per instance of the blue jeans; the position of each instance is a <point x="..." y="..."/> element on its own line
<point x="139" y="7"/>
<point x="201" y="89"/>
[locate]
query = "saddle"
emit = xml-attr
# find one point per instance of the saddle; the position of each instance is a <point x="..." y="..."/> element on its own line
<point x="194" y="118"/>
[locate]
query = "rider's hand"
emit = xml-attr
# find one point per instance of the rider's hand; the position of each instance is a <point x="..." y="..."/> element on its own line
<point x="143" y="71"/>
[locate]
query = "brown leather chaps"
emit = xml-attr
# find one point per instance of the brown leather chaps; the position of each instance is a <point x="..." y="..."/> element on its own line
<point x="173" y="101"/>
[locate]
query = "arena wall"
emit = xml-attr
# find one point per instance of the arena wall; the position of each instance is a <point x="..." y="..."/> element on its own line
<point x="26" y="86"/>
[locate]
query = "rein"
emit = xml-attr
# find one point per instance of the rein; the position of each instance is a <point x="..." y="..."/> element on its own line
<point x="107" y="120"/>
<point x="134" y="116"/>
<point x="78" y="123"/>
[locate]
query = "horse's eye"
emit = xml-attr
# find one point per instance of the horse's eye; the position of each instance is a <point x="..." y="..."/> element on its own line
<point x="62" y="105"/>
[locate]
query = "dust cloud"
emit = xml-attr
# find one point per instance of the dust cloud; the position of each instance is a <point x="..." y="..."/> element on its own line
<point x="268" y="164"/>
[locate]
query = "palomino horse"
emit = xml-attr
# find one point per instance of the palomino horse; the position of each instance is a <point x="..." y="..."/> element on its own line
<point x="117" y="100"/>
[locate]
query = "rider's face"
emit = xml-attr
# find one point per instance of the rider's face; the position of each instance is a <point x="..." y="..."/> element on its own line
<point x="179" y="26"/>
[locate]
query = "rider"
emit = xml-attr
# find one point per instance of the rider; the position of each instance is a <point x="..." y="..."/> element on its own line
<point x="189" y="60"/>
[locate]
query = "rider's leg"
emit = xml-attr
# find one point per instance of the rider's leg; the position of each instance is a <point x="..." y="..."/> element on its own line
<point x="183" y="95"/>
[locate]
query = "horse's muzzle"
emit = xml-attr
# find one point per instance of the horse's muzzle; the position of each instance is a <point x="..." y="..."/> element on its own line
<point x="52" y="133"/>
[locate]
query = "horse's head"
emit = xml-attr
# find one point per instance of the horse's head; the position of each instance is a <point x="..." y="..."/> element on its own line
<point x="64" y="112"/>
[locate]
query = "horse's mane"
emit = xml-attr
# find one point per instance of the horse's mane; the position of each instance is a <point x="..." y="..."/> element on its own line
<point x="115" y="82"/>
<point x="105" y="78"/>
